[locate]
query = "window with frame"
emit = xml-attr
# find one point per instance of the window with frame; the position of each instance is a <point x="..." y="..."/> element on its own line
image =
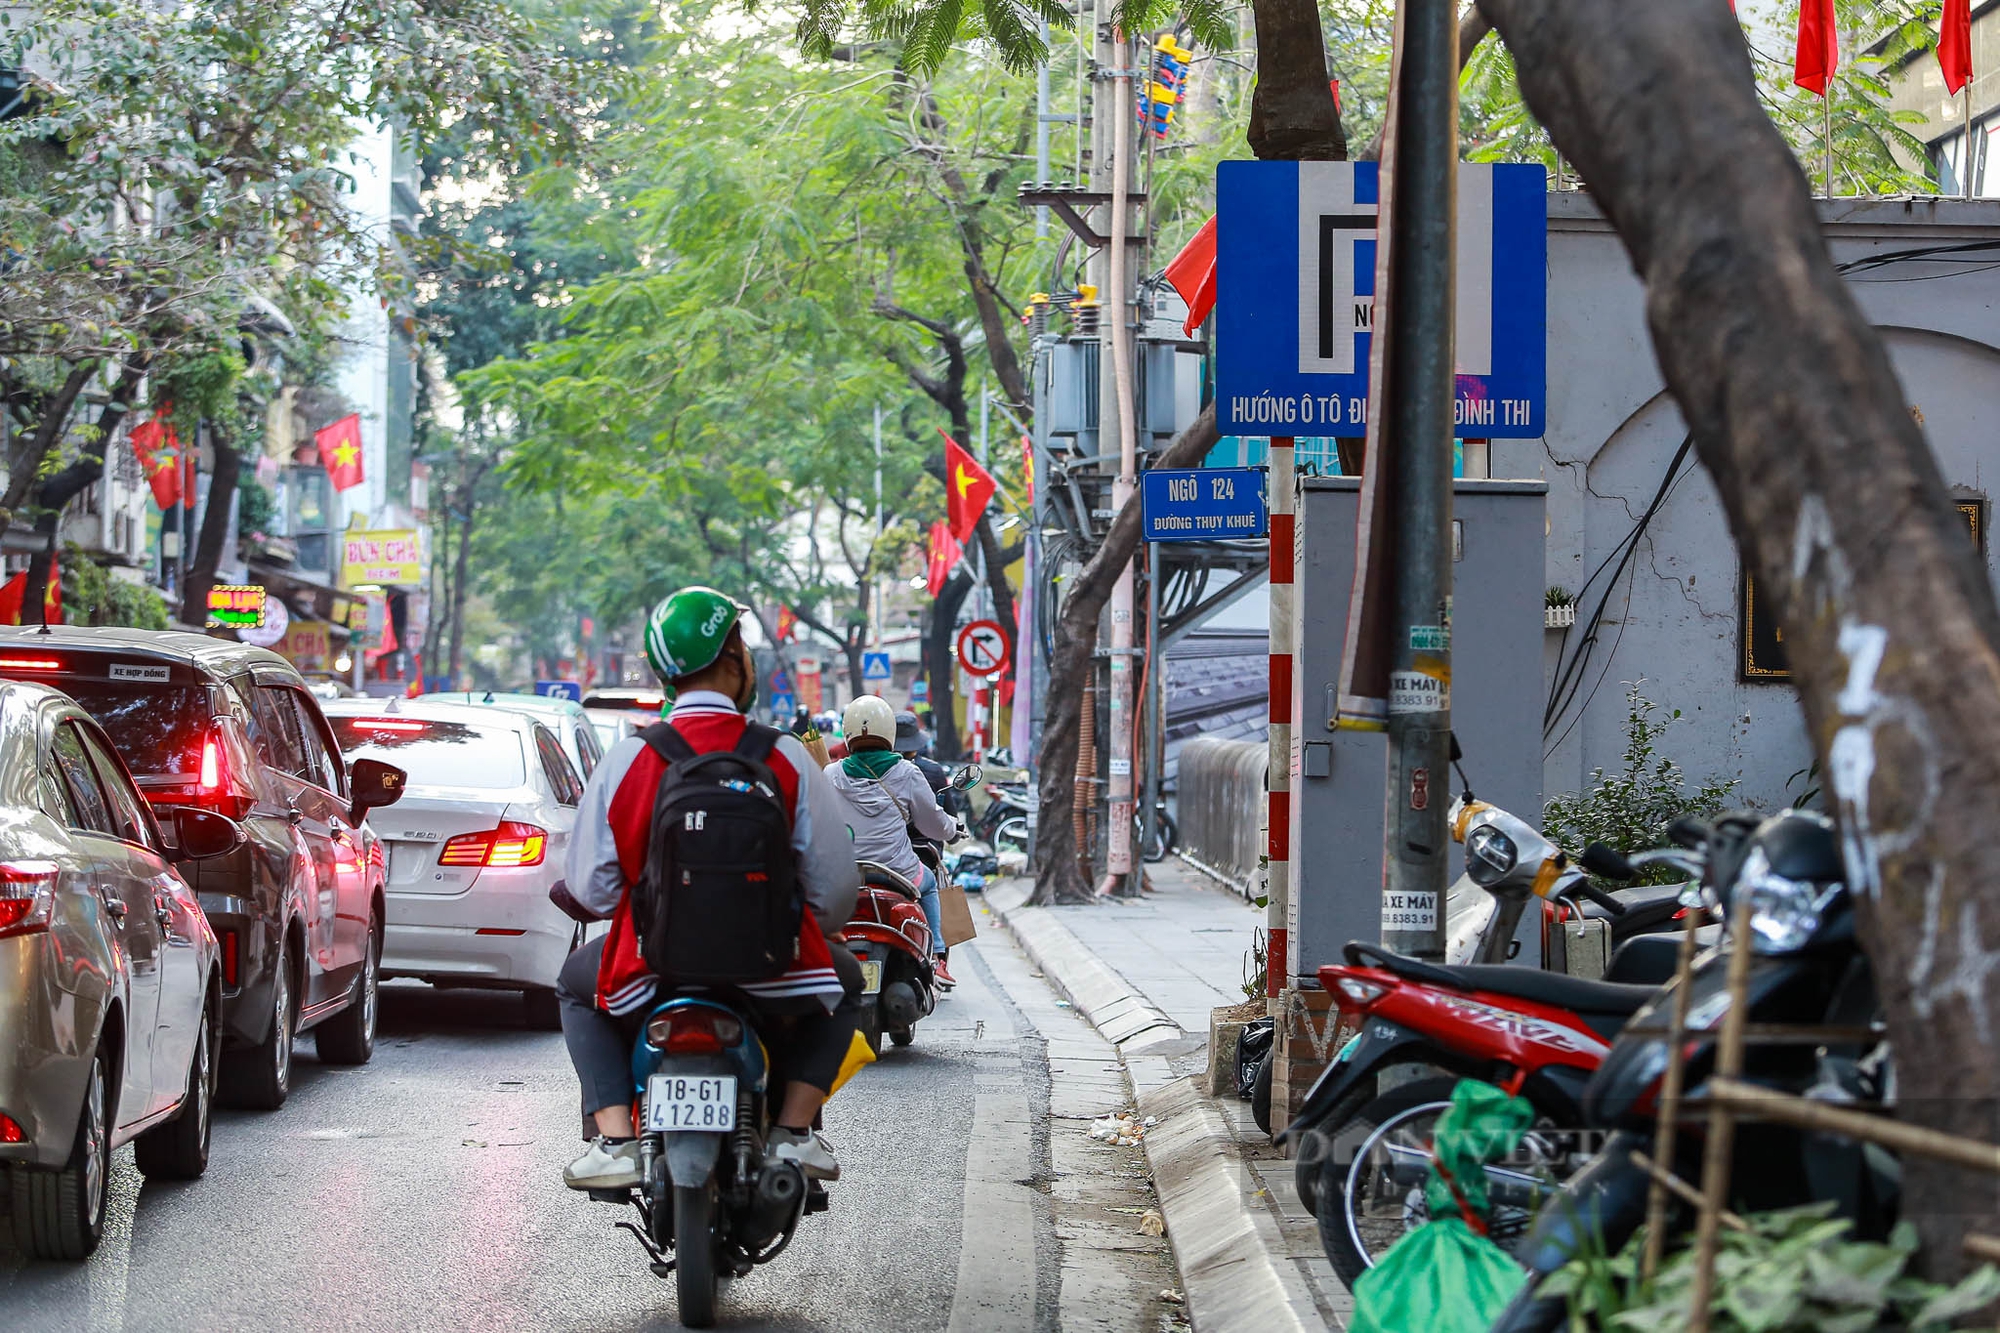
<point x="322" y="768"/>
<point x="128" y="812"/>
<point x="91" y="812"/>
<point x="563" y="781"/>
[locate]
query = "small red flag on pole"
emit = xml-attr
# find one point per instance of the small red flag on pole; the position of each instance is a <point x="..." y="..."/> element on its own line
<point x="1954" y="48"/>
<point x="1192" y="274"/>
<point x="340" y="451"/>
<point x="1818" y="53"/>
<point x="967" y="488"/>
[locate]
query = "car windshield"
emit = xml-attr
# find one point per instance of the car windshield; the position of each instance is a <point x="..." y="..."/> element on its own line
<point x="436" y="754"/>
<point x="157" y="729"/>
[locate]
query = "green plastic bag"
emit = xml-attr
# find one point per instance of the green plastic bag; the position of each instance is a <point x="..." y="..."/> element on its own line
<point x="1445" y="1277"/>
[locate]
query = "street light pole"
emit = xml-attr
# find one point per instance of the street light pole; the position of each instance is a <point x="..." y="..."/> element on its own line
<point x="1420" y="396"/>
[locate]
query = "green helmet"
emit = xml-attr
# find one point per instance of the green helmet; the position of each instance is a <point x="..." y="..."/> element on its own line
<point x="686" y="631"/>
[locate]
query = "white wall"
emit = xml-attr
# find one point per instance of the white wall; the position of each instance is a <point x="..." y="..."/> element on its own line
<point x="1613" y="430"/>
<point x="363" y="376"/>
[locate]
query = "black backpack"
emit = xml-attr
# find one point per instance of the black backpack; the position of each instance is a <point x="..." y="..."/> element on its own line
<point x="719" y="902"/>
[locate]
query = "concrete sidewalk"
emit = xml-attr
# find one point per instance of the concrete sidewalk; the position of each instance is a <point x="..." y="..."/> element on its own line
<point x="1146" y="972"/>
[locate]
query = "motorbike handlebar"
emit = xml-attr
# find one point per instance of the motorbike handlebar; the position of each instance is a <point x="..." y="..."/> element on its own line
<point x="1607" y="862"/>
<point x="1585" y="889"/>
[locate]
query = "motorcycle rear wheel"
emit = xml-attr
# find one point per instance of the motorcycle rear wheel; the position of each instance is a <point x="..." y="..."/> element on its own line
<point x="694" y="1254"/>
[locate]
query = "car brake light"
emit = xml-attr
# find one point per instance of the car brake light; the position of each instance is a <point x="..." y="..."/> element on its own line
<point x="11" y="1131"/>
<point x="228" y="942"/>
<point x="27" y="895"/>
<point x="211" y="765"/>
<point x="694" y="1032"/>
<point x="30" y="664"/>
<point x="511" y="846"/>
<point x="387" y="724"/>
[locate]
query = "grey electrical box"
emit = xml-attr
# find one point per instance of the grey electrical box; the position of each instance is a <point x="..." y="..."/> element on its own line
<point x="1338" y="795"/>
<point x="1072" y="394"/>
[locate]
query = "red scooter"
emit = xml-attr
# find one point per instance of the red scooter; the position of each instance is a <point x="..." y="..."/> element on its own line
<point x="890" y="937"/>
<point x="1364" y="1139"/>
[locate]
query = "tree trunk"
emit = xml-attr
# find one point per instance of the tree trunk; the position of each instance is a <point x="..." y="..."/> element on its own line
<point x="1058" y="875"/>
<point x="1837" y="506"/>
<point x="24" y="459"/>
<point x="1292" y="115"/>
<point x="941" y="662"/>
<point x="54" y="494"/>
<point x="214" y="528"/>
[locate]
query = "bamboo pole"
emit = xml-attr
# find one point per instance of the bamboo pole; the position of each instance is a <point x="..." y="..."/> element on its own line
<point x="1740" y="1100"/>
<point x="1683" y="1191"/>
<point x="1665" y="1132"/>
<point x="1721" y="1121"/>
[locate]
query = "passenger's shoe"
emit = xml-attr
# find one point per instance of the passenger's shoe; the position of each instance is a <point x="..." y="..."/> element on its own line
<point x="807" y="1151"/>
<point x="945" y="980"/>
<point x="605" y="1166"/>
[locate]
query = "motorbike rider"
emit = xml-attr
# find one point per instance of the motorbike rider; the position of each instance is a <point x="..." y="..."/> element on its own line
<point x="912" y="745"/>
<point x="807" y="1016"/>
<point x="890" y="798"/>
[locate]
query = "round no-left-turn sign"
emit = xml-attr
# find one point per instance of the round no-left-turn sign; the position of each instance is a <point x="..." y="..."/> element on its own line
<point x="983" y="648"/>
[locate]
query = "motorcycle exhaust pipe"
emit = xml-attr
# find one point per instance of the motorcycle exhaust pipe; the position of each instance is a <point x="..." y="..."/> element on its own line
<point x="900" y="1005"/>
<point x="779" y="1195"/>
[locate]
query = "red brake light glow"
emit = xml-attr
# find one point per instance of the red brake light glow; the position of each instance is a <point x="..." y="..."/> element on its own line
<point x="694" y="1032"/>
<point x="511" y="846"/>
<point x="229" y="961"/>
<point x="27" y="893"/>
<point x="30" y="664"/>
<point x="11" y="1131"/>
<point x="211" y="764"/>
<point x="387" y="724"/>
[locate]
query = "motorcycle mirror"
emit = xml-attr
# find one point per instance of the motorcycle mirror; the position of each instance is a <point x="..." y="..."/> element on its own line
<point x="1607" y="862"/>
<point x="1456" y="753"/>
<point x="967" y="777"/>
<point x="1688" y="832"/>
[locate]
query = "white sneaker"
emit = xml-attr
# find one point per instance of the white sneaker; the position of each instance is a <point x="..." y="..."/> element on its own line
<point x="808" y="1151"/>
<point x="605" y="1166"/>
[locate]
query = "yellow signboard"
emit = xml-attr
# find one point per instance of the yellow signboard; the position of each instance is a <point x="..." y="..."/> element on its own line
<point x="380" y="557"/>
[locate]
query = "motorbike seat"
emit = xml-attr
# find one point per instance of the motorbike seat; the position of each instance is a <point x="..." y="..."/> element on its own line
<point x="1604" y="998"/>
<point x="1649" y="900"/>
<point x="878" y="876"/>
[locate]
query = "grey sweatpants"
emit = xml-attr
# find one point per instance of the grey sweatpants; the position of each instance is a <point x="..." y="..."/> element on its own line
<point x="806" y="1043"/>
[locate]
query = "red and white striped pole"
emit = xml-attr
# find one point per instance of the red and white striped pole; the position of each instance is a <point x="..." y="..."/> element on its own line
<point x="1278" y="770"/>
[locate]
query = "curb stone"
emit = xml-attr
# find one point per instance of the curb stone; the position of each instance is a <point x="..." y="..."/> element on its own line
<point x="1228" y="1251"/>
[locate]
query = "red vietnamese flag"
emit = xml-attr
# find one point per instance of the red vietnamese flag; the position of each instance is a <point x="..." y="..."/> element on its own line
<point x="154" y="446"/>
<point x="1192" y="274"/>
<point x="1954" y="48"/>
<point x="340" y="451"/>
<point x="788" y="621"/>
<point x="1818" y="53"/>
<point x="943" y="553"/>
<point x="967" y="488"/>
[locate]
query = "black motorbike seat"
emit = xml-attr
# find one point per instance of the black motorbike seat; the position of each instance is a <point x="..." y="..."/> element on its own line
<point x="1589" y="998"/>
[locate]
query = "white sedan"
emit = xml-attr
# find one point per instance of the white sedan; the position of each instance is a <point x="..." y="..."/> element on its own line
<point x="474" y="845"/>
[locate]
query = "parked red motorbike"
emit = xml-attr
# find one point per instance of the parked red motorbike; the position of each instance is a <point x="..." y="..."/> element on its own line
<point x="890" y="937"/>
<point x="1364" y="1140"/>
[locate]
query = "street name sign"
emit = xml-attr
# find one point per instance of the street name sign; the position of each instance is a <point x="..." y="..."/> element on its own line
<point x="982" y="648"/>
<point x="1204" y="504"/>
<point x="1295" y="298"/>
<point x="875" y="666"/>
<point x="560" y="689"/>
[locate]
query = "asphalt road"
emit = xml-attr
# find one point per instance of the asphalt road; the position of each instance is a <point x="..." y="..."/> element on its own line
<point x="423" y="1191"/>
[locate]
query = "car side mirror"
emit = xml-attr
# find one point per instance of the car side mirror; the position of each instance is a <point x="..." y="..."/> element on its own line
<point x="201" y="835"/>
<point x="373" y="784"/>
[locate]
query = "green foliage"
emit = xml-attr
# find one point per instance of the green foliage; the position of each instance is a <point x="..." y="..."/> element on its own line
<point x="91" y="596"/>
<point x="1630" y="809"/>
<point x="1794" y="1271"/>
<point x="256" y="507"/>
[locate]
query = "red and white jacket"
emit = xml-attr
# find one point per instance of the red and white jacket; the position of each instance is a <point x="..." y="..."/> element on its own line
<point x="607" y="852"/>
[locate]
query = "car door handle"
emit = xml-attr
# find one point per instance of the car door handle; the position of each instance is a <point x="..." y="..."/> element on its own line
<point x="165" y="917"/>
<point x="294" y="814"/>
<point x="115" y="906"/>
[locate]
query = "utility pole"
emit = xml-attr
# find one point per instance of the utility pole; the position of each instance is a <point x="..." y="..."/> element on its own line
<point x="874" y="574"/>
<point x="1423" y="206"/>
<point x="1042" y="133"/>
<point x="1111" y="171"/>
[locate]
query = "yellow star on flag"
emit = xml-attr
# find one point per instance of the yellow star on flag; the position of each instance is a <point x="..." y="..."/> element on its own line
<point x="344" y="453"/>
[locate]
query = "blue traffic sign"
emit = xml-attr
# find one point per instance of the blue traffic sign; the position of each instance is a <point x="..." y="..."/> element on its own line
<point x="560" y="689"/>
<point x="875" y="666"/>
<point x="1295" y="298"/>
<point x="783" y="706"/>
<point x="1204" y="504"/>
<point x="920" y="691"/>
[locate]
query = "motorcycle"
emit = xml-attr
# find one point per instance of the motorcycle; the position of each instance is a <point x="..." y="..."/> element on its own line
<point x="892" y="941"/>
<point x="1004" y="821"/>
<point x="1537" y="1033"/>
<point x="710" y="1206"/>
<point x="1807" y="968"/>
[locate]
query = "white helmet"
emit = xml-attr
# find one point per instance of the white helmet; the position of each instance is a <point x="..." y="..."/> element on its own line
<point x="869" y="715"/>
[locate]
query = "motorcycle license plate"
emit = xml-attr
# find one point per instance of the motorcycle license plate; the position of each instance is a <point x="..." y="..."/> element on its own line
<point x="871" y="978"/>
<point x="678" y="1102"/>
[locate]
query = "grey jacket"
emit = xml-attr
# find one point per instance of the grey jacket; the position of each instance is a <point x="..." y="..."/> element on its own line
<point x="881" y="812"/>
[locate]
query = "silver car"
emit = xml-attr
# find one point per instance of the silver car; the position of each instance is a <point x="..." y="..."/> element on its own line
<point x="475" y="844"/>
<point x="110" y="979"/>
<point x="564" y="718"/>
